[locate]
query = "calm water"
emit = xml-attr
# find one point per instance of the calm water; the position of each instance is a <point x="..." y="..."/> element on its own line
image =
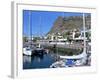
<point x="43" y="61"/>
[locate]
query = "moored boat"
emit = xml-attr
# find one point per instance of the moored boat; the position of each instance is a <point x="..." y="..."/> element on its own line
<point x="27" y="51"/>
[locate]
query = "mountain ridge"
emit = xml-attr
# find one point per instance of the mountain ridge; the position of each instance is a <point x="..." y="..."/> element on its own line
<point x="62" y="24"/>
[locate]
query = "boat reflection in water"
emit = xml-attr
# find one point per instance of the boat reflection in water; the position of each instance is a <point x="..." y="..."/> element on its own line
<point x="51" y="60"/>
<point x="26" y="59"/>
<point x="38" y="61"/>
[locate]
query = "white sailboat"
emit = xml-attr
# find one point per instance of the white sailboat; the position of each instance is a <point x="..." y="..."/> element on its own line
<point x="27" y="50"/>
<point x="78" y="59"/>
<point x="82" y="57"/>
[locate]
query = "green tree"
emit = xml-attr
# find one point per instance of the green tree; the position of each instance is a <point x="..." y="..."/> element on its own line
<point x="35" y="39"/>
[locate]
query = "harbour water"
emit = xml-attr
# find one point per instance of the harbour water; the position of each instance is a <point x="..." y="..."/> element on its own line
<point x="45" y="60"/>
<point x="35" y="62"/>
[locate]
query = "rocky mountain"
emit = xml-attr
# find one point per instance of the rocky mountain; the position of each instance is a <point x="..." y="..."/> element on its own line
<point x="62" y="24"/>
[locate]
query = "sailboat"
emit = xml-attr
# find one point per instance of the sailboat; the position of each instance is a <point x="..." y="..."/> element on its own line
<point x="83" y="55"/>
<point x="28" y="50"/>
<point x="79" y="59"/>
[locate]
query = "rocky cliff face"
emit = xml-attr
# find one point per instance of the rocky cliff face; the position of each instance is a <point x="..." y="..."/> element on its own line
<point x="62" y="24"/>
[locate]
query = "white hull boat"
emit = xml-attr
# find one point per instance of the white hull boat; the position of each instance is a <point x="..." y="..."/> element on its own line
<point x="81" y="58"/>
<point x="27" y="51"/>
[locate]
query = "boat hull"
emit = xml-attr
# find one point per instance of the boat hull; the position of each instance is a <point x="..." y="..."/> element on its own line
<point x="27" y="52"/>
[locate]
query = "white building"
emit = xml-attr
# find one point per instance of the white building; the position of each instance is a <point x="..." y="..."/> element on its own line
<point x="81" y="36"/>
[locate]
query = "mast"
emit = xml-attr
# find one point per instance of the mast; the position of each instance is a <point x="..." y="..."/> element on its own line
<point x="84" y="50"/>
<point x="40" y="27"/>
<point x="29" y="29"/>
<point x="40" y="31"/>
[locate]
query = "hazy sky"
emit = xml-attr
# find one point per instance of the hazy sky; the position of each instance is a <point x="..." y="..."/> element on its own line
<point x="40" y="22"/>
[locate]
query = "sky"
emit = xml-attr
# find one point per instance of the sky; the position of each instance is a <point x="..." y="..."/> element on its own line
<point x="39" y="23"/>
